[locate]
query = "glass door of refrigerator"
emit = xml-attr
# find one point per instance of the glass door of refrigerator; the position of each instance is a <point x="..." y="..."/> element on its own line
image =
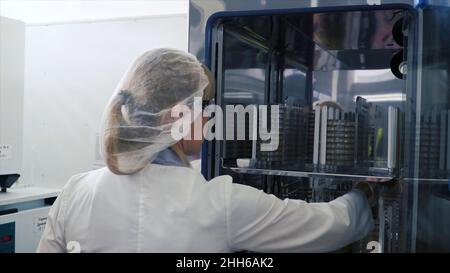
<point x="241" y="58"/>
<point x="345" y="83"/>
<point x="429" y="183"/>
<point x="338" y="78"/>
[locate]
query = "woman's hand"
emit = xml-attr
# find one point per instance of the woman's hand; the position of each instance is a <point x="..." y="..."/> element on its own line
<point x="369" y="191"/>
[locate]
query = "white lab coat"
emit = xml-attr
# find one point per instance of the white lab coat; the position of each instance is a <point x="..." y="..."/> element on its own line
<point x="174" y="209"/>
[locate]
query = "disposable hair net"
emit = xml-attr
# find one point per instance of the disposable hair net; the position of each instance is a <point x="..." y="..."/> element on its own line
<point x="137" y="122"/>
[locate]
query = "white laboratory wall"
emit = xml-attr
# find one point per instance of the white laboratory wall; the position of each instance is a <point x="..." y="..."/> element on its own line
<point x="48" y="11"/>
<point x="12" y="43"/>
<point x="70" y="72"/>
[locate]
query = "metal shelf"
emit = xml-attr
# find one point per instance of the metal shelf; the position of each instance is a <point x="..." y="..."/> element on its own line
<point x="371" y="178"/>
<point x="439" y="181"/>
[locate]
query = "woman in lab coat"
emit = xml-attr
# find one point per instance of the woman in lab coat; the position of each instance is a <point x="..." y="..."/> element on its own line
<point x="149" y="199"/>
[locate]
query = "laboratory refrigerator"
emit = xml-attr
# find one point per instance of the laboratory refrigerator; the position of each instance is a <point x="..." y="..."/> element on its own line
<point x="363" y="92"/>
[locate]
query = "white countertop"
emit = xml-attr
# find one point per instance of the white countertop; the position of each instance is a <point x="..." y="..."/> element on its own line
<point x="19" y="195"/>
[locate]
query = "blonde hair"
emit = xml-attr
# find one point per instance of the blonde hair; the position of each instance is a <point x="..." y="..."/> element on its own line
<point x="114" y="145"/>
<point x="135" y="125"/>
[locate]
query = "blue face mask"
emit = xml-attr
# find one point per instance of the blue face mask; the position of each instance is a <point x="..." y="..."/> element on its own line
<point x="168" y="157"/>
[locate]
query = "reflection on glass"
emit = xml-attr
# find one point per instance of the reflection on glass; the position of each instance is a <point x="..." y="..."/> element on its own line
<point x="432" y="186"/>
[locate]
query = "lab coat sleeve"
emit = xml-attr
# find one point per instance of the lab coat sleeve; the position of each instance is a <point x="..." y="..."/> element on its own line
<point x="52" y="239"/>
<point x="263" y="223"/>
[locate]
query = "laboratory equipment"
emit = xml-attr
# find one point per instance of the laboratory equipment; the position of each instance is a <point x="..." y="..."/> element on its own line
<point x="363" y="89"/>
<point x="23" y="215"/>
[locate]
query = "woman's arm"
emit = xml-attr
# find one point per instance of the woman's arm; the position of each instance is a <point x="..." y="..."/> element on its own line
<point x="263" y="223"/>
